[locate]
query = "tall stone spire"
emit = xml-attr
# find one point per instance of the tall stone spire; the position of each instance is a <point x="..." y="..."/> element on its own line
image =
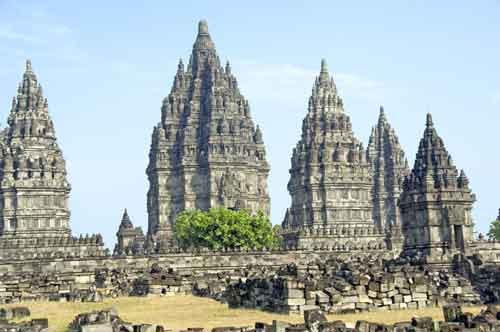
<point x="34" y="190"/>
<point x="330" y="180"/>
<point x="206" y="151"/>
<point x="389" y="167"/>
<point x="436" y="202"/>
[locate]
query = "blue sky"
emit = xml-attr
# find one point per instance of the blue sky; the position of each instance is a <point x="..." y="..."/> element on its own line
<point x="106" y="66"/>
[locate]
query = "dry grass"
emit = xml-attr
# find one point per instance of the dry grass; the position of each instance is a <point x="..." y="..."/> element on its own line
<point x="180" y="312"/>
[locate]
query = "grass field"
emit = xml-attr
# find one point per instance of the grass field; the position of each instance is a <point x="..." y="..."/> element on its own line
<point x="178" y="312"/>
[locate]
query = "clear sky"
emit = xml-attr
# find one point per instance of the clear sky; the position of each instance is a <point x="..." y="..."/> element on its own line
<point x="105" y="67"/>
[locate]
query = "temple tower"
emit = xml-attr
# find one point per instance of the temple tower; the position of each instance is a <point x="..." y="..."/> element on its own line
<point x="34" y="190"/>
<point x="131" y="239"/>
<point x="330" y="179"/>
<point x="436" y="203"/>
<point x="389" y="167"/>
<point x="206" y="151"/>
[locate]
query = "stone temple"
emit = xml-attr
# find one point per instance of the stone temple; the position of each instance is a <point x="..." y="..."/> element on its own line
<point x="330" y="178"/>
<point x="389" y="168"/>
<point x="206" y="151"/>
<point x="131" y="239"/>
<point x="436" y="203"/>
<point x="359" y="220"/>
<point x="34" y="190"/>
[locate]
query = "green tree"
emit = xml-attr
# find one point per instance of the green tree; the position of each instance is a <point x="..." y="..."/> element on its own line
<point x="494" y="232"/>
<point x="220" y="228"/>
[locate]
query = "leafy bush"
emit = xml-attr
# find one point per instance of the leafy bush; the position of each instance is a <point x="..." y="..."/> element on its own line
<point x="494" y="232"/>
<point x="224" y="228"/>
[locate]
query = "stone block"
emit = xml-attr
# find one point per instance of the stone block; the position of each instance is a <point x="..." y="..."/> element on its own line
<point x="386" y="301"/>
<point x="350" y="299"/>
<point x="419" y="296"/>
<point x="364" y="299"/>
<point x="322" y="297"/>
<point x="105" y="327"/>
<point x="295" y="301"/>
<point x="313" y="318"/>
<point x="294" y="293"/>
<point x="397" y="298"/>
<point x="362" y="306"/>
<point x="279" y="326"/>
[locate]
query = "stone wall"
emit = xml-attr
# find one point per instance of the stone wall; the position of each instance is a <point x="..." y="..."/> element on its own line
<point x="38" y="278"/>
<point x="343" y="286"/>
<point x="488" y="250"/>
<point x="343" y="280"/>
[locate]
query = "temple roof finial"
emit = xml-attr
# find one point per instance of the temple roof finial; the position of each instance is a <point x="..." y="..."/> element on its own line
<point x="381" y="116"/>
<point x="28" y="65"/>
<point x="429" y="123"/>
<point x="324" y="76"/>
<point x="202" y="27"/>
<point x="324" y="66"/>
<point x="203" y="40"/>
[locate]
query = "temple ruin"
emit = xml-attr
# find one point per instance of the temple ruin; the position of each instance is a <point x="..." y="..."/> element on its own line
<point x="330" y="179"/>
<point x="34" y="190"/>
<point x="363" y="232"/>
<point x="206" y="151"/>
<point x="436" y="203"/>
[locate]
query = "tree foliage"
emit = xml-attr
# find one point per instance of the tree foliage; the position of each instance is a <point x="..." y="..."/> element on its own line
<point x="220" y="228"/>
<point x="494" y="232"/>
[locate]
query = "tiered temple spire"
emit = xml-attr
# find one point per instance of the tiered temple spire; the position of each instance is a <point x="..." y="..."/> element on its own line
<point x="389" y="167"/>
<point x="34" y="190"/>
<point x="436" y="202"/>
<point x="330" y="179"/>
<point x="206" y="151"/>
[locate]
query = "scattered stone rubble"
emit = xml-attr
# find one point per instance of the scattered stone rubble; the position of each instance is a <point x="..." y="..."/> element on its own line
<point x="487" y="281"/>
<point x="334" y="285"/>
<point x="14" y="313"/>
<point x="108" y="321"/>
<point x="34" y="325"/>
<point x="340" y="286"/>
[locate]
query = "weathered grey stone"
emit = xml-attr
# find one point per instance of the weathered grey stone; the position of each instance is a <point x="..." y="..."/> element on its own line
<point x="389" y="167"/>
<point x="131" y="240"/>
<point x="330" y="179"/>
<point x="206" y="151"/>
<point x="34" y="190"/>
<point x="436" y="203"/>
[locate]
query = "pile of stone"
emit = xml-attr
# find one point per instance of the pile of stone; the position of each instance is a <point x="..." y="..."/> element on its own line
<point x="115" y="282"/>
<point x="162" y="281"/>
<point x="15" y="287"/>
<point x="487" y="281"/>
<point x="108" y="321"/>
<point x="345" y="286"/>
<point x="14" y="313"/>
<point x="215" y="285"/>
<point x="35" y="325"/>
<point x="17" y="313"/>
<point x="156" y="280"/>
